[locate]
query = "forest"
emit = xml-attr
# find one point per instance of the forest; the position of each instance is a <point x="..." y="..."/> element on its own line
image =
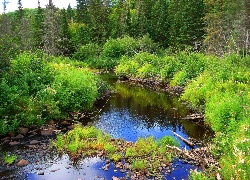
<point x="47" y="56"/>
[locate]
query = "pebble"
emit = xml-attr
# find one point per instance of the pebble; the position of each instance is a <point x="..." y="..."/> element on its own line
<point x="14" y="143"/>
<point x="33" y="142"/>
<point x="46" y="132"/>
<point x="40" y="173"/>
<point x="22" y="163"/>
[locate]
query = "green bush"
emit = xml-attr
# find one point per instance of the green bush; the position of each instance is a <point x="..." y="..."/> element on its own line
<point x="142" y="65"/>
<point x="76" y="88"/>
<point x="39" y="88"/>
<point x="88" y="51"/>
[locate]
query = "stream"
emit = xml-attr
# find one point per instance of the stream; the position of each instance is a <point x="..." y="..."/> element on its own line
<point x="131" y="112"/>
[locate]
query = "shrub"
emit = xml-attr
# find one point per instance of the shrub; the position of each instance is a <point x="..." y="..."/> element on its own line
<point x="116" y="48"/>
<point x="76" y="89"/>
<point x="168" y="140"/>
<point x="88" y="51"/>
<point x="39" y="88"/>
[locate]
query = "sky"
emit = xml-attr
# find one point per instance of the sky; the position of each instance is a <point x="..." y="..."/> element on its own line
<point x="12" y="5"/>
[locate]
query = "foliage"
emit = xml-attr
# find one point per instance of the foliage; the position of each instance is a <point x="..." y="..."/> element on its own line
<point x="88" y="140"/>
<point x="39" y="88"/>
<point x="88" y="51"/>
<point x="9" y="159"/>
<point x="224" y="88"/>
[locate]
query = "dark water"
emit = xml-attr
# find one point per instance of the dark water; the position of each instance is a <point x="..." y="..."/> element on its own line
<point x="132" y="112"/>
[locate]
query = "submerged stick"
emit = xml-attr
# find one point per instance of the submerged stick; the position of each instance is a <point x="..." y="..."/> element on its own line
<point x="184" y="140"/>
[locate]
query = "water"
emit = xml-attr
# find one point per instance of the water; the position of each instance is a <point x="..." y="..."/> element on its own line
<point x="132" y="112"/>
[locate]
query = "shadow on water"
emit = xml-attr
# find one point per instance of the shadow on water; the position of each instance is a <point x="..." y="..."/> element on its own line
<point x="132" y="111"/>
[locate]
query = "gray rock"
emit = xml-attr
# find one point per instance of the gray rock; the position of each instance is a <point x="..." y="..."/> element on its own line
<point x="46" y="132"/>
<point x="33" y="142"/>
<point x="14" y="143"/>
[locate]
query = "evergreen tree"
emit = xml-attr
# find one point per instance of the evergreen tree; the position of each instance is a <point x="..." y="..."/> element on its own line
<point x="160" y="23"/>
<point x="186" y="22"/>
<point x="70" y="14"/>
<point x="65" y="44"/>
<point x="52" y="32"/>
<point x="227" y="26"/>
<point x="38" y="27"/>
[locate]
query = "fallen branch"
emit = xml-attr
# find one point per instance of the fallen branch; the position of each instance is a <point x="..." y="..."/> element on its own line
<point x="184" y="140"/>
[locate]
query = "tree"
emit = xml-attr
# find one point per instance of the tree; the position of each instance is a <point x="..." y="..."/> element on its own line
<point x="227" y="26"/>
<point x="38" y="27"/>
<point x="160" y="23"/>
<point x="65" y="43"/>
<point x="51" y="36"/>
<point x="186" y="22"/>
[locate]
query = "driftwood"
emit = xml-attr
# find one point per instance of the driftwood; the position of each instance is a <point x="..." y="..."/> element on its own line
<point x="201" y="156"/>
<point x="184" y="140"/>
<point x="194" y="117"/>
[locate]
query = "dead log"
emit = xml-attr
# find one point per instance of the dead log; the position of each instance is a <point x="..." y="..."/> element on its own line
<point x="180" y="151"/>
<point x="184" y="140"/>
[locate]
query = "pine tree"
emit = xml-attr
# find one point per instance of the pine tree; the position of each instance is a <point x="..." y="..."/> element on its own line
<point x="186" y="22"/>
<point x="52" y="32"/>
<point x="227" y="26"/>
<point x="38" y="27"/>
<point x="160" y="23"/>
<point x="65" y="44"/>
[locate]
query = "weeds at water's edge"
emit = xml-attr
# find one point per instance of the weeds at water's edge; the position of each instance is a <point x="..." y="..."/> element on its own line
<point x="147" y="156"/>
<point x="87" y="141"/>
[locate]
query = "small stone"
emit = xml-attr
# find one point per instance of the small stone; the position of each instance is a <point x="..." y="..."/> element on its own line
<point x="14" y="143"/>
<point x="115" y="178"/>
<point x="23" y="130"/>
<point x="53" y="170"/>
<point x="107" y="161"/>
<point x="33" y="142"/>
<point x="71" y="127"/>
<point x="6" y="138"/>
<point x="19" y="136"/>
<point x="65" y="123"/>
<point x="22" y="163"/>
<point x="31" y="146"/>
<point x="46" y="132"/>
<point x="40" y="173"/>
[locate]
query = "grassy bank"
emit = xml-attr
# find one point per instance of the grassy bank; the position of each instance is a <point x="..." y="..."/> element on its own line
<point x="217" y="86"/>
<point x="146" y="155"/>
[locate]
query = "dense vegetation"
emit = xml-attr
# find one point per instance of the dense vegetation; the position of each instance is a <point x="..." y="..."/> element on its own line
<point x="202" y="45"/>
<point x="144" y="153"/>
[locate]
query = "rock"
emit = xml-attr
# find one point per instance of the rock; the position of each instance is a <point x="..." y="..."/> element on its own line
<point x="122" y="170"/>
<point x="51" y="122"/>
<point x="31" y="146"/>
<point x="71" y="127"/>
<point x="65" y="123"/>
<point x="46" y="132"/>
<point x="11" y="134"/>
<point x="6" y="138"/>
<point x="127" y="166"/>
<point x="33" y="142"/>
<point x="23" y="130"/>
<point x="19" y="136"/>
<point x="40" y="173"/>
<point x="115" y="178"/>
<point x="14" y="143"/>
<point x="6" y="141"/>
<point x="107" y="161"/>
<point x="89" y="123"/>
<point x="22" y="163"/>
